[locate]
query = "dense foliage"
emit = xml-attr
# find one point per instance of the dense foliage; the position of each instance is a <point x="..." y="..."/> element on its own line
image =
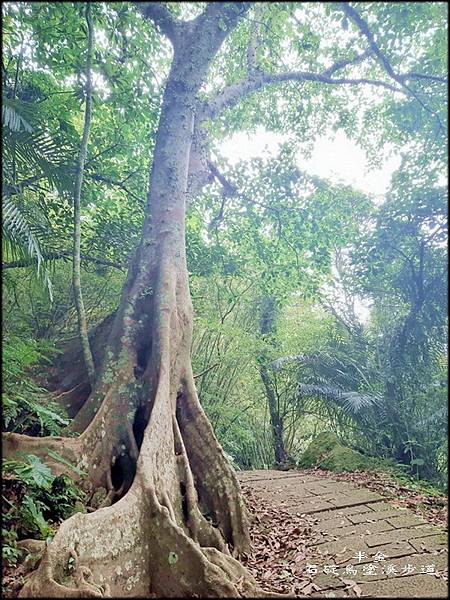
<point x="263" y="233"/>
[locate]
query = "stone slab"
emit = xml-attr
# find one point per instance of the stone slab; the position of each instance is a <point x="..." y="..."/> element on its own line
<point x="383" y="569"/>
<point x="344" y="512"/>
<point x="308" y="508"/>
<point x="348" y="520"/>
<point x="418" y="561"/>
<point x="416" y="586"/>
<point x="257" y="475"/>
<point x="361" y="529"/>
<point x="391" y="551"/>
<point x="344" y="546"/>
<point x="371" y="516"/>
<point x="407" y="520"/>
<point x="326" y="581"/>
<point x="376" y="506"/>
<point x="335" y="523"/>
<point x="400" y="534"/>
<point x="432" y="543"/>
<point x="356" y="496"/>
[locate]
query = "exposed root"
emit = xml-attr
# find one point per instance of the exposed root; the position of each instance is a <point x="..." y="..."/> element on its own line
<point x="150" y="535"/>
<point x="200" y="529"/>
<point x="68" y="448"/>
<point x="133" y="549"/>
<point x="167" y="504"/>
<point x="57" y="395"/>
<point x="109" y="499"/>
<point x="216" y="483"/>
<point x="134" y="450"/>
<point x="142" y="545"/>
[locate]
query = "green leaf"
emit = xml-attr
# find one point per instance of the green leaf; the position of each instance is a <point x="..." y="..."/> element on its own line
<point x="35" y="518"/>
<point x="33" y="473"/>
<point x="62" y="460"/>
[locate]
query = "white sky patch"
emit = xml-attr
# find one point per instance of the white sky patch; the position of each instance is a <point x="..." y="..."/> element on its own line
<point x="362" y="309"/>
<point x="341" y="161"/>
<point x="337" y="158"/>
<point x="245" y="146"/>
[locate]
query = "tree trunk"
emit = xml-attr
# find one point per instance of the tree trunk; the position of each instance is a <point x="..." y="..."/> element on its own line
<point x="176" y="509"/>
<point x="267" y="305"/>
<point x="76" y="278"/>
<point x="281" y="458"/>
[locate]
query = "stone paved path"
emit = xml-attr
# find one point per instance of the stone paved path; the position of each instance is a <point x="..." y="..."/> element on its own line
<point x="353" y="520"/>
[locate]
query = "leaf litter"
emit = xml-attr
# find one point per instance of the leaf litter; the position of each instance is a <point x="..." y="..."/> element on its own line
<point x="281" y="548"/>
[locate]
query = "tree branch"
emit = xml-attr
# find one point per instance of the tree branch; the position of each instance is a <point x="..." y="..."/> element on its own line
<point x="108" y="149"/>
<point x="253" y="45"/>
<point x="76" y="272"/>
<point x="345" y="62"/>
<point x="228" y="188"/>
<point x="206" y="371"/>
<point x="222" y="14"/>
<point x="423" y="76"/>
<point x="161" y="17"/>
<point x="231" y="94"/>
<point x="118" y="184"/>
<point x="354" y="16"/>
<point x="19" y="187"/>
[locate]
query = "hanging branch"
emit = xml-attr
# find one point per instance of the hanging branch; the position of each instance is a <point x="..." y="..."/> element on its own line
<point x="76" y="278"/>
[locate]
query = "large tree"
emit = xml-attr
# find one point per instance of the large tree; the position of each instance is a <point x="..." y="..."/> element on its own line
<point x="173" y="509"/>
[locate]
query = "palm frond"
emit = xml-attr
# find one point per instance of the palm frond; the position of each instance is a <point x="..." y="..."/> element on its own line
<point x="13" y="120"/>
<point x="30" y="155"/>
<point x="20" y="239"/>
<point x="32" y="149"/>
<point x="356" y="401"/>
<point x="305" y="359"/>
<point x="351" y="401"/>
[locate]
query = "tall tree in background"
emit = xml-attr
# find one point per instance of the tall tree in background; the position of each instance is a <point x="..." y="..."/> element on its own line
<point x="267" y="325"/>
<point x="76" y="278"/>
<point x="144" y="436"/>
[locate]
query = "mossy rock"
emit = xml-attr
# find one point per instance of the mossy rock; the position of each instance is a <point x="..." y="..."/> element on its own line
<point x="321" y="445"/>
<point x="344" y="459"/>
<point x="326" y="452"/>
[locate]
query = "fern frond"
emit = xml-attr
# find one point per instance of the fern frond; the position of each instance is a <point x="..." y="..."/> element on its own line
<point x="305" y="359"/>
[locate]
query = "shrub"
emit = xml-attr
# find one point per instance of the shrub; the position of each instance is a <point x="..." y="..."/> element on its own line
<point x="35" y="500"/>
<point x="26" y="407"/>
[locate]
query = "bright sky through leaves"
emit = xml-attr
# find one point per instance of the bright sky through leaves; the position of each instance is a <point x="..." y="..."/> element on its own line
<point x="338" y="159"/>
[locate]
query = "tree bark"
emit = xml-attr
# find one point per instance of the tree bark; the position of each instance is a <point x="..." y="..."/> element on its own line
<point x="176" y="509"/>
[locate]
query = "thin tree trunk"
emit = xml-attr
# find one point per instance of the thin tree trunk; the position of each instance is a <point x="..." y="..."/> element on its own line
<point x="267" y="329"/>
<point x="76" y="278"/>
<point x="275" y="419"/>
